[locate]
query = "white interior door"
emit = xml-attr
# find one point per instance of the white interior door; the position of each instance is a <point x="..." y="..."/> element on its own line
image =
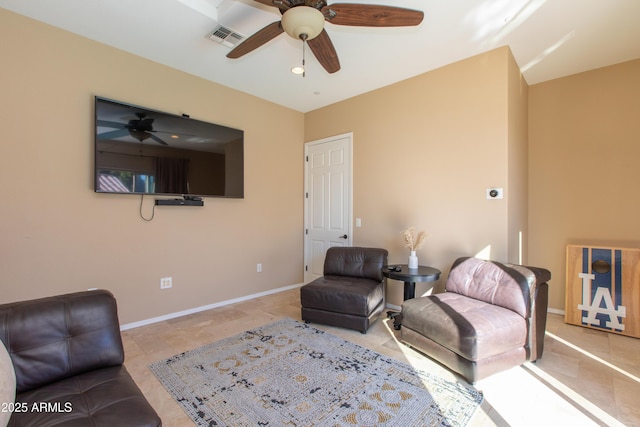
<point x="328" y="200"/>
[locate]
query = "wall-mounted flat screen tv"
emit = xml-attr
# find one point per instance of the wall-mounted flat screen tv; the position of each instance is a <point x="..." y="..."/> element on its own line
<point x="142" y="151"/>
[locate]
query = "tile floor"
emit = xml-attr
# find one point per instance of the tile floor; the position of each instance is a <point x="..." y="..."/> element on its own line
<point x="585" y="377"/>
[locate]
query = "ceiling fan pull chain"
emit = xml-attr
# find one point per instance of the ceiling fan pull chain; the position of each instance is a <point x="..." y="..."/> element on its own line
<point x="304" y="42"/>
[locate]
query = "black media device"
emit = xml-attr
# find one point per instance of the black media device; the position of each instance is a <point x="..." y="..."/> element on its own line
<point x="139" y="150"/>
<point x="179" y="202"/>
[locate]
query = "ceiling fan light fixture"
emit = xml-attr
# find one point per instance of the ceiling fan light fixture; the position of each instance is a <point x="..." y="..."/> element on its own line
<point x="301" y="20"/>
<point x="298" y="69"/>
<point x="140" y="135"/>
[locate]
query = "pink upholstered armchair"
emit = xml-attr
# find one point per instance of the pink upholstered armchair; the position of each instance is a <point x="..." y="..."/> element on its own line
<point x="491" y="317"/>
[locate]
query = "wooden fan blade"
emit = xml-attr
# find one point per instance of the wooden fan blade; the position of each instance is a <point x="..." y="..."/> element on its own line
<point x="258" y="39"/>
<point x="323" y="50"/>
<point x="369" y="15"/>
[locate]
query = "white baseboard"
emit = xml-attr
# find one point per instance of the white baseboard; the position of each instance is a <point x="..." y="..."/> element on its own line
<point x="394" y="307"/>
<point x="205" y="307"/>
<point x="241" y="299"/>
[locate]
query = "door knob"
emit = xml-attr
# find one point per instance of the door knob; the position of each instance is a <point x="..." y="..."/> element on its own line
<point x="344" y="236"/>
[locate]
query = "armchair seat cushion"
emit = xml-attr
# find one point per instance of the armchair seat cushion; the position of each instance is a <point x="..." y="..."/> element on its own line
<point x="95" y="398"/>
<point x="341" y="294"/>
<point x="471" y="328"/>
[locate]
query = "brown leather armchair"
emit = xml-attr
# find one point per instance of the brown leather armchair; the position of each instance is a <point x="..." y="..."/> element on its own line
<point x="351" y="293"/>
<point x="492" y="317"/>
<point x="67" y="356"/>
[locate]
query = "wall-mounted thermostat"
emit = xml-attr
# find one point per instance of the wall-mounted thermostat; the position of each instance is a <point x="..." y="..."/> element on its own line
<point x="495" y="193"/>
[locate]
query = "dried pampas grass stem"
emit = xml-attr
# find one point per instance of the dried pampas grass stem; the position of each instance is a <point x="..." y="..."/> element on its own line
<point x="411" y="241"/>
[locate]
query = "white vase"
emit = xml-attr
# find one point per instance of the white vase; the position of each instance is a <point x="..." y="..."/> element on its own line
<point x="413" y="261"/>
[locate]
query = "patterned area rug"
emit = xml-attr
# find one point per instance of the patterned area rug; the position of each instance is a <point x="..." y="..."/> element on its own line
<point x="288" y="373"/>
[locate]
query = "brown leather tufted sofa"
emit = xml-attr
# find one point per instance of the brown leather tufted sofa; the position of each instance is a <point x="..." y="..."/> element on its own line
<point x="68" y="359"/>
<point x="350" y="294"/>
<point x="492" y="317"/>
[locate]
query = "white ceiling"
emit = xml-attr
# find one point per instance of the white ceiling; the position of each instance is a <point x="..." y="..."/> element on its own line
<point x="548" y="38"/>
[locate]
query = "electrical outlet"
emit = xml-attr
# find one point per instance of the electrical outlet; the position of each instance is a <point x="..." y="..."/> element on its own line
<point x="259" y="268"/>
<point x="166" y="282"/>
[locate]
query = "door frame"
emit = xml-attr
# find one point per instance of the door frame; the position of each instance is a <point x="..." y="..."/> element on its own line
<point x="349" y="147"/>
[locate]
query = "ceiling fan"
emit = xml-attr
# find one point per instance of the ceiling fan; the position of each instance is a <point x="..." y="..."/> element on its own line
<point x="304" y="20"/>
<point x="139" y="129"/>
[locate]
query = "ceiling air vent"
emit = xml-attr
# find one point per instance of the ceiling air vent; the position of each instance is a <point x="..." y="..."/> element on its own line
<point x="225" y="36"/>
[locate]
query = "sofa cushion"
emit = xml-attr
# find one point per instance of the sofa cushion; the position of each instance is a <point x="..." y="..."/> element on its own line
<point x="505" y="285"/>
<point x="104" y="397"/>
<point x="471" y="328"/>
<point x="349" y="295"/>
<point x="7" y="384"/>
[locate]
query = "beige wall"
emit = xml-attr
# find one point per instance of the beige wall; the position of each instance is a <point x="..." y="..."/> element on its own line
<point x="425" y="151"/>
<point x="57" y="235"/>
<point x="584" y="135"/>
<point x="517" y="196"/>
